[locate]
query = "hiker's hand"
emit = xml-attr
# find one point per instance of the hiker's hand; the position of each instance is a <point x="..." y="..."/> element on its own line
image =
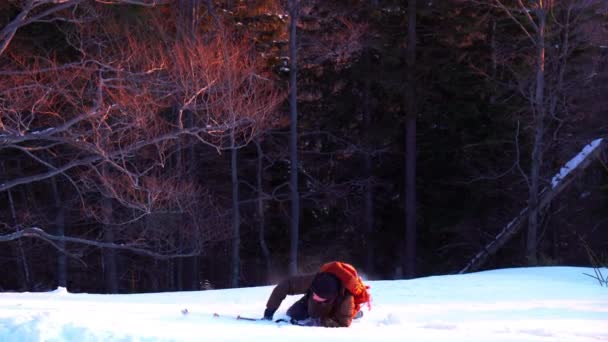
<point x="268" y="313"/>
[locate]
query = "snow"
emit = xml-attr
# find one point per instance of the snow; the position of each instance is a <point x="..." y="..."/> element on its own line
<point x="44" y="131"/>
<point x="574" y="162"/>
<point x="519" y="304"/>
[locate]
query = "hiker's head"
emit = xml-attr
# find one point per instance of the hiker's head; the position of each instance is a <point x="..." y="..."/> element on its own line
<point x="325" y="287"/>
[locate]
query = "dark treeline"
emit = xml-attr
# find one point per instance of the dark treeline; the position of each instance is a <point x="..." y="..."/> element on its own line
<point x="151" y="145"/>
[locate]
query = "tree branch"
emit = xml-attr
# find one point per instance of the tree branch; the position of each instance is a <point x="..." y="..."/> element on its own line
<point x="527" y="13"/>
<point x="521" y="25"/>
<point x="39" y="233"/>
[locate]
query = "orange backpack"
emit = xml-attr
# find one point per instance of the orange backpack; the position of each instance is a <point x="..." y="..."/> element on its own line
<point x="351" y="281"/>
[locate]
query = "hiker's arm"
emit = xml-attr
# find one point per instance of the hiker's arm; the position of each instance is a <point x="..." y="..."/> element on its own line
<point x="343" y="316"/>
<point x="289" y="286"/>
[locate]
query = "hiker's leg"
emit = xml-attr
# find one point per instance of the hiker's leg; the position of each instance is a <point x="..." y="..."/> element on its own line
<point x="299" y="309"/>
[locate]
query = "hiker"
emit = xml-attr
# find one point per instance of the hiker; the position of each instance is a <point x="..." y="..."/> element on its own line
<point x="332" y="297"/>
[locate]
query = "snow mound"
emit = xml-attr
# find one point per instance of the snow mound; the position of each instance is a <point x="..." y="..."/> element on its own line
<point x="516" y="305"/>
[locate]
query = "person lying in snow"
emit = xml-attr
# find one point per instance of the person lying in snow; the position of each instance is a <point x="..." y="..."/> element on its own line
<point x="332" y="297"/>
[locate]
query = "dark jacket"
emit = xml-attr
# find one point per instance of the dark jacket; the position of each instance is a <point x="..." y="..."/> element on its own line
<point x="335" y="313"/>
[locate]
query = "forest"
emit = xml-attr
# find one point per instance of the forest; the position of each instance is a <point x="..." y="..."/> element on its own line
<point x="169" y="145"/>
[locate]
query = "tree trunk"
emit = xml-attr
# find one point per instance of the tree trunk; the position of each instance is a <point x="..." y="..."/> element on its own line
<point x="236" y="218"/>
<point x="155" y="284"/>
<point x="192" y="280"/>
<point x="369" y="214"/>
<point x="260" y="205"/>
<point x="293" y="141"/>
<point x="179" y="267"/>
<point x="193" y="276"/>
<point x="24" y="275"/>
<point x="109" y="254"/>
<point x="494" y="54"/>
<point x="493" y="48"/>
<point x="170" y="279"/>
<point x="188" y="267"/>
<point x="62" y="271"/>
<point x="537" y="149"/>
<point x="109" y="259"/>
<point x="186" y="276"/>
<point x="368" y="201"/>
<point x="410" y="147"/>
<point x="188" y="17"/>
<point x="235" y="261"/>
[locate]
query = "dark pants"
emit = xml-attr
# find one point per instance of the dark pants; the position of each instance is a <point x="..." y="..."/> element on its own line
<point x="299" y="309"/>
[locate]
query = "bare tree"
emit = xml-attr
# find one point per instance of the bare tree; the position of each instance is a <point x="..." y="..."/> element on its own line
<point x="187" y="26"/>
<point x="236" y="104"/>
<point x="368" y="197"/>
<point x="62" y="269"/>
<point x="548" y="27"/>
<point x="293" y="138"/>
<point x="106" y="119"/>
<point x="32" y="11"/>
<point x="409" y="266"/>
<point x="260" y="206"/>
<point x="24" y="268"/>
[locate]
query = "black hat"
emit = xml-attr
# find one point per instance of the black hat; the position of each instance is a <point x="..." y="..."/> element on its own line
<point x="326" y="285"/>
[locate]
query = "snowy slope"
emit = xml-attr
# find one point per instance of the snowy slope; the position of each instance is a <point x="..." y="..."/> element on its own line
<point x="526" y="304"/>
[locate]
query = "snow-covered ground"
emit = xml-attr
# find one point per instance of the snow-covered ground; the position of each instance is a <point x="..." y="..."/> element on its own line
<point x="524" y="304"/>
